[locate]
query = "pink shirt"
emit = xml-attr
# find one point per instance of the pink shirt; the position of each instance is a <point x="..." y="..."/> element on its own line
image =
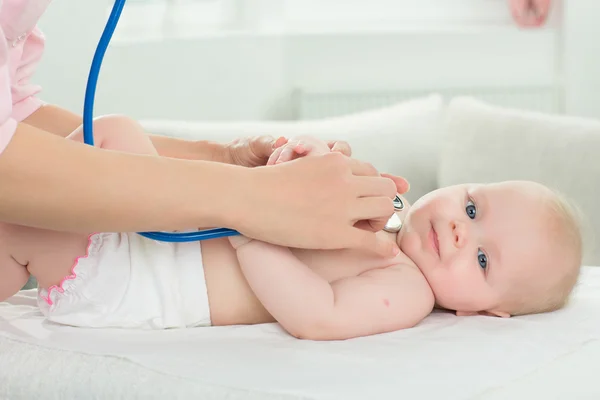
<point x="21" y="47"/>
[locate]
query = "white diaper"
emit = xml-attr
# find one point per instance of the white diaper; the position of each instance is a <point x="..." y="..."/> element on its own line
<point x="128" y="281"/>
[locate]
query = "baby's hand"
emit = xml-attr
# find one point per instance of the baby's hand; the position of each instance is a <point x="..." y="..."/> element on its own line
<point x="301" y="146"/>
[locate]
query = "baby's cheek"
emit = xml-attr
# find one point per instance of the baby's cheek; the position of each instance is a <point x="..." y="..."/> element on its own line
<point x="466" y="274"/>
<point x="453" y="293"/>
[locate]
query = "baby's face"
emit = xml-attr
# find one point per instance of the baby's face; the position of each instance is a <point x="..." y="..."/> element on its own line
<point x="472" y="241"/>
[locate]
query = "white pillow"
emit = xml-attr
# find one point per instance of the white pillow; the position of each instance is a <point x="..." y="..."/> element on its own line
<point x="401" y="139"/>
<point x="485" y="143"/>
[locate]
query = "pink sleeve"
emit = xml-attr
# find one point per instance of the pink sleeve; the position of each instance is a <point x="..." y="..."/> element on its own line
<point x="7" y="124"/>
<point x="23" y="90"/>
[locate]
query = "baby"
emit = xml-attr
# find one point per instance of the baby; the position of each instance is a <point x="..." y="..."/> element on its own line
<point x="502" y="249"/>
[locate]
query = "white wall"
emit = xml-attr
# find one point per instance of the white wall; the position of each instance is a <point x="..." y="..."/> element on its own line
<point x="582" y="57"/>
<point x="243" y="76"/>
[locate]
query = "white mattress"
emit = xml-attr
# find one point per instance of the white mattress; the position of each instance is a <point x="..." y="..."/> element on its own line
<point x="543" y="356"/>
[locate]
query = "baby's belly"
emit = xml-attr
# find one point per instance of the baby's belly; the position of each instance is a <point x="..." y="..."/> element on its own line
<point x="232" y="301"/>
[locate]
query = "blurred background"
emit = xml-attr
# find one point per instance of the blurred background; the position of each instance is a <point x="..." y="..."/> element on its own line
<point x="301" y="59"/>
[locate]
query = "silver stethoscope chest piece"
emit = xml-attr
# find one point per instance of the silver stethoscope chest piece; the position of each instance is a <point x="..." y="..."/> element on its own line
<point x="394" y="224"/>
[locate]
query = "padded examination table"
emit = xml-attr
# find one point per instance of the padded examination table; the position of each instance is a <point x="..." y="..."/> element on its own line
<point x="552" y="356"/>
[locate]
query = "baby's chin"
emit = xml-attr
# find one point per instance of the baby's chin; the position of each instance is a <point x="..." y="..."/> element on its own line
<point x="401" y="234"/>
<point x="411" y="247"/>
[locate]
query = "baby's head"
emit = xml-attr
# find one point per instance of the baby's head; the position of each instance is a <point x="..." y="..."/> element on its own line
<point x="509" y="248"/>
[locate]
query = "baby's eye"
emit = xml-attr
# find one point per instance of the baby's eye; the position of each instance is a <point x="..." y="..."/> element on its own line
<point x="482" y="259"/>
<point x="471" y="209"/>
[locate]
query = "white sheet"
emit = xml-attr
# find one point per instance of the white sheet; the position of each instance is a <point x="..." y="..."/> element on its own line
<point x="446" y="357"/>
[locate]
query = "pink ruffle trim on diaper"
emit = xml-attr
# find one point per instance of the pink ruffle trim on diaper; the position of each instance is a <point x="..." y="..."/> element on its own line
<point x="70" y="277"/>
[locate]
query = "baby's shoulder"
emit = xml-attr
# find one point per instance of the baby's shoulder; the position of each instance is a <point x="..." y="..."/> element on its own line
<point x="407" y="271"/>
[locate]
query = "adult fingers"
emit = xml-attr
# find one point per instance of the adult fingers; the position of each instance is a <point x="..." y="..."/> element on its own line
<point x="402" y="185"/>
<point x="372" y="225"/>
<point x="360" y="168"/>
<point x="375" y="209"/>
<point x="371" y="186"/>
<point x="261" y="147"/>
<point x="371" y="242"/>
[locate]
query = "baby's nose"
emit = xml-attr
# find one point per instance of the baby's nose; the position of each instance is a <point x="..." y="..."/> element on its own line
<point x="459" y="233"/>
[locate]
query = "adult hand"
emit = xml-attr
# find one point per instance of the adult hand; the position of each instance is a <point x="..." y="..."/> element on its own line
<point x="305" y="146"/>
<point x="530" y="13"/>
<point x="255" y="151"/>
<point x="328" y="201"/>
<point x="377" y="224"/>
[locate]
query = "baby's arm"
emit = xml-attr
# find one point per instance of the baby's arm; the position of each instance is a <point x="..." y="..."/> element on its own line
<point x="309" y="307"/>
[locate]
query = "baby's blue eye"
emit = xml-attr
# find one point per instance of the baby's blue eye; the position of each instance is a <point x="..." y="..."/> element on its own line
<point x="471" y="209"/>
<point x="482" y="259"/>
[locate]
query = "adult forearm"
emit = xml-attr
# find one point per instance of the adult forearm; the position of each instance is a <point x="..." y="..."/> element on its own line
<point x="53" y="183"/>
<point x="55" y="120"/>
<point x="188" y="150"/>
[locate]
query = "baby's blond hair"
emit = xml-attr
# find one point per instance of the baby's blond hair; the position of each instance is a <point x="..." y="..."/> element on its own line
<point x="534" y="296"/>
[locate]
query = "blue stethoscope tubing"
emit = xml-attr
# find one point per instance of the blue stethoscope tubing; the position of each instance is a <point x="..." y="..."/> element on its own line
<point x="88" y="136"/>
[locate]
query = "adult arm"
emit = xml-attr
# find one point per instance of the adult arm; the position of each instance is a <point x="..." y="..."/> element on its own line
<point x="248" y="152"/>
<point x="52" y="183"/>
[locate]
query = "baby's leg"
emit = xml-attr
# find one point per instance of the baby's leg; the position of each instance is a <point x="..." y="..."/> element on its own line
<point x="116" y="132"/>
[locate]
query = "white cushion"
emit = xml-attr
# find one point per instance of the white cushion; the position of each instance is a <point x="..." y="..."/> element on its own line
<point x="485" y="143"/>
<point x="401" y="139"/>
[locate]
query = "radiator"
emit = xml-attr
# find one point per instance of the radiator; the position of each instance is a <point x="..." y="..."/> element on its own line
<point x="314" y="105"/>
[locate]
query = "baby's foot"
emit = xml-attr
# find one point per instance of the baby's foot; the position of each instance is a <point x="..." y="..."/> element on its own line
<point x="238" y="241"/>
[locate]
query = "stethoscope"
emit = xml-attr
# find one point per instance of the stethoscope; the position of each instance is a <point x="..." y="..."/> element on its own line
<point x="393" y="225"/>
<point x="88" y="136"/>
